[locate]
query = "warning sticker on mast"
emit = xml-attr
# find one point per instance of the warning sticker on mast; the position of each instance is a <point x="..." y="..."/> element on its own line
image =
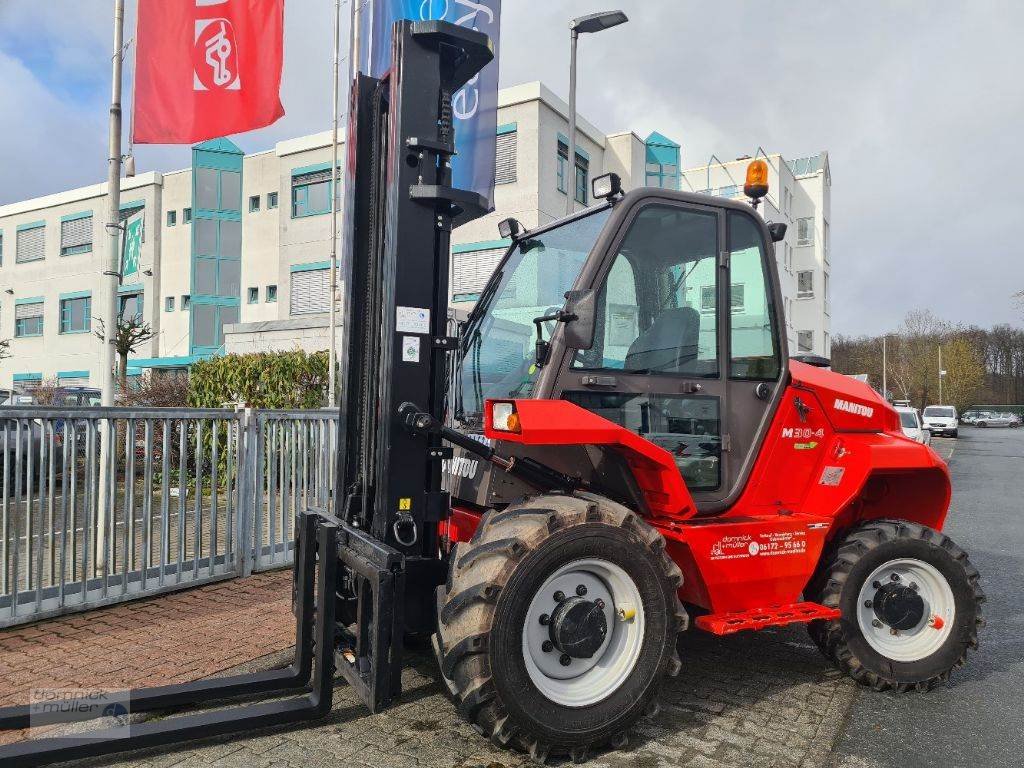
<point x="207" y="68"/>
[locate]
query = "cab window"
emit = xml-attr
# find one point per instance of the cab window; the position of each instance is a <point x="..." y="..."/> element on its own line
<point x="657" y="309"/>
<point x="753" y="348"/>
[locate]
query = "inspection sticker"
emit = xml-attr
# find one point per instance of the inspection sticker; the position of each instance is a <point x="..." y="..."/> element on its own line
<point x="410" y="349"/>
<point x="412" y="320"/>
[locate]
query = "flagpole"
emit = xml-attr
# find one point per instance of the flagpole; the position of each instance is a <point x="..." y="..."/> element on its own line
<point x="109" y="283"/>
<point x="332" y="387"/>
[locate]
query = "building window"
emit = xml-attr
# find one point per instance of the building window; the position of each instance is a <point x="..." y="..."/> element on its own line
<point x="172" y="218"/>
<point x="1" y="249"/>
<point x="254" y="295"/>
<point x="730" y="191"/>
<point x="582" y="180"/>
<point x="662" y="162"/>
<point x="471" y="271"/>
<point x="169" y="304"/>
<point x="805" y="341"/>
<point x="271" y="200"/>
<point x="310" y="292"/>
<point x="805" y="231"/>
<point x="736" y="297"/>
<point x="186" y="215"/>
<point x="31" y="244"/>
<point x="217" y="190"/>
<point x="76" y="315"/>
<point x="707" y="298"/>
<point x="254" y="203"/>
<point x="805" y="284"/>
<point x="76" y="236"/>
<point x="28" y="320"/>
<point x="271" y="294"/>
<point x="824" y="338"/>
<point x="129" y="306"/>
<point x="824" y="238"/>
<point x="186" y="302"/>
<point x="311" y="193"/>
<point x="507" y="158"/>
<point x="582" y="173"/>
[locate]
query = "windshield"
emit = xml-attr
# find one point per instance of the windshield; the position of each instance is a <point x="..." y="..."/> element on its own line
<point x="499" y="341"/>
<point x="908" y="419"/>
<point x="938" y="411"/>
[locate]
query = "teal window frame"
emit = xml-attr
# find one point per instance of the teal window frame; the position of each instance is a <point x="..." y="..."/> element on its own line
<point x="25" y="228"/>
<point x="582" y="177"/>
<point x="66" y="314"/>
<point x="271" y="295"/>
<point x="254" y="295"/>
<point x="172" y="218"/>
<point x="122" y="302"/>
<point x="300" y="191"/>
<point x="29" y="327"/>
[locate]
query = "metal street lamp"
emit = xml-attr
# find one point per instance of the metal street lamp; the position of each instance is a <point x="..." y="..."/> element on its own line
<point x="594" y="22"/>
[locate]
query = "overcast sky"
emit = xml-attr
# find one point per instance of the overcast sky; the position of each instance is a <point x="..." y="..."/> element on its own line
<point x="920" y="105"/>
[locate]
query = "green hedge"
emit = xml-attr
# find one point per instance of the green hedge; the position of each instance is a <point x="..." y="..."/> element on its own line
<point x="260" y="380"/>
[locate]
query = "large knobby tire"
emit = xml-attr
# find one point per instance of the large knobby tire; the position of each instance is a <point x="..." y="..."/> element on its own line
<point x="489" y="631"/>
<point x="911" y="606"/>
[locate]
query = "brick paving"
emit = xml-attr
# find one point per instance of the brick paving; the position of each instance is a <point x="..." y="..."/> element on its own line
<point x="171" y="639"/>
<point x="763" y="699"/>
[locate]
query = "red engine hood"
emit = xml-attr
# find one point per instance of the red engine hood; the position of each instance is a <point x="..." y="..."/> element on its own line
<point x="850" y="405"/>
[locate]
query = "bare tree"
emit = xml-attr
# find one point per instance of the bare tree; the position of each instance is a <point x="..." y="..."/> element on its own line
<point x="131" y="333"/>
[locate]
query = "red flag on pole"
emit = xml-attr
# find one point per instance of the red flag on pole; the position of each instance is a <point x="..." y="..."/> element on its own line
<point x="207" y="68"/>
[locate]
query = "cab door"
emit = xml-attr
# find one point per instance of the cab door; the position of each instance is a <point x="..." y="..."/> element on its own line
<point x="683" y="324"/>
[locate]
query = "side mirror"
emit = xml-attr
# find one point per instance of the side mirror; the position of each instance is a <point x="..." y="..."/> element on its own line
<point x="778" y="231"/>
<point x="581" y="306"/>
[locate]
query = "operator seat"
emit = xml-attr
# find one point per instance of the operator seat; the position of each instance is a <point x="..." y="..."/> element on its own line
<point x="668" y="344"/>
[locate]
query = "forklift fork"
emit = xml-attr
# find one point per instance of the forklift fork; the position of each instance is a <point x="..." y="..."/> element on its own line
<point x="312" y="671"/>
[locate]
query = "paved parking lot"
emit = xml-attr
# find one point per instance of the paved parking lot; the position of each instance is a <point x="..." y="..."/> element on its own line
<point x="757" y="699"/>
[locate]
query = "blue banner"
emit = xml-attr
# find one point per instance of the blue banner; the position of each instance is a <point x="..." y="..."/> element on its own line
<point x="475" y="106"/>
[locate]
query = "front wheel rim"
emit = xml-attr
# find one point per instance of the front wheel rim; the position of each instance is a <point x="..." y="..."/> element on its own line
<point x="918" y="586"/>
<point x="585" y="681"/>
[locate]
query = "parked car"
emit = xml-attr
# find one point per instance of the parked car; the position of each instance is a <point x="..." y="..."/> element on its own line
<point x="910" y="421"/>
<point x="941" y="420"/>
<point x="32" y="435"/>
<point x="997" y="420"/>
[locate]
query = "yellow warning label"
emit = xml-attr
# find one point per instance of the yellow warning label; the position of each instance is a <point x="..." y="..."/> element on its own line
<point x="404" y="505"/>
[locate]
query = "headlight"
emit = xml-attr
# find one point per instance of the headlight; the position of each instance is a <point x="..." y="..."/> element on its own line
<point x="504" y="417"/>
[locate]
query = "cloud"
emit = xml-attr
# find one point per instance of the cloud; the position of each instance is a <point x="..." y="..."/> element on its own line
<point x="919" y="103"/>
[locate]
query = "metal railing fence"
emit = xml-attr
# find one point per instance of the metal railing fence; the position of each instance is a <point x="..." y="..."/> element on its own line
<point x="186" y="496"/>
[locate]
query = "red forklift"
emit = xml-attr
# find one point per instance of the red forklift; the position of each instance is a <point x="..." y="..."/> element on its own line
<point x="615" y="448"/>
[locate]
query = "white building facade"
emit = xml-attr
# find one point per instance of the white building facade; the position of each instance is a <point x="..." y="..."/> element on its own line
<point x="235" y="248"/>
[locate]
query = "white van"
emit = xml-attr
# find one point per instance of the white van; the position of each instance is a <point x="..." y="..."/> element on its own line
<point x="941" y="420"/>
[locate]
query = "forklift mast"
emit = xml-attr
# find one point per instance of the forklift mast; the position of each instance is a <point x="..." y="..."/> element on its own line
<point x="401" y="211"/>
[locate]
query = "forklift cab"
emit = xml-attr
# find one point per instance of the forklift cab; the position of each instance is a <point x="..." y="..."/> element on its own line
<point x="681" y="340"/>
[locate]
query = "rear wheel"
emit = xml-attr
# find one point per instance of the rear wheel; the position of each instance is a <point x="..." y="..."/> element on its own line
<point x="558" y="623"/>
<point x="910" y="603"/>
